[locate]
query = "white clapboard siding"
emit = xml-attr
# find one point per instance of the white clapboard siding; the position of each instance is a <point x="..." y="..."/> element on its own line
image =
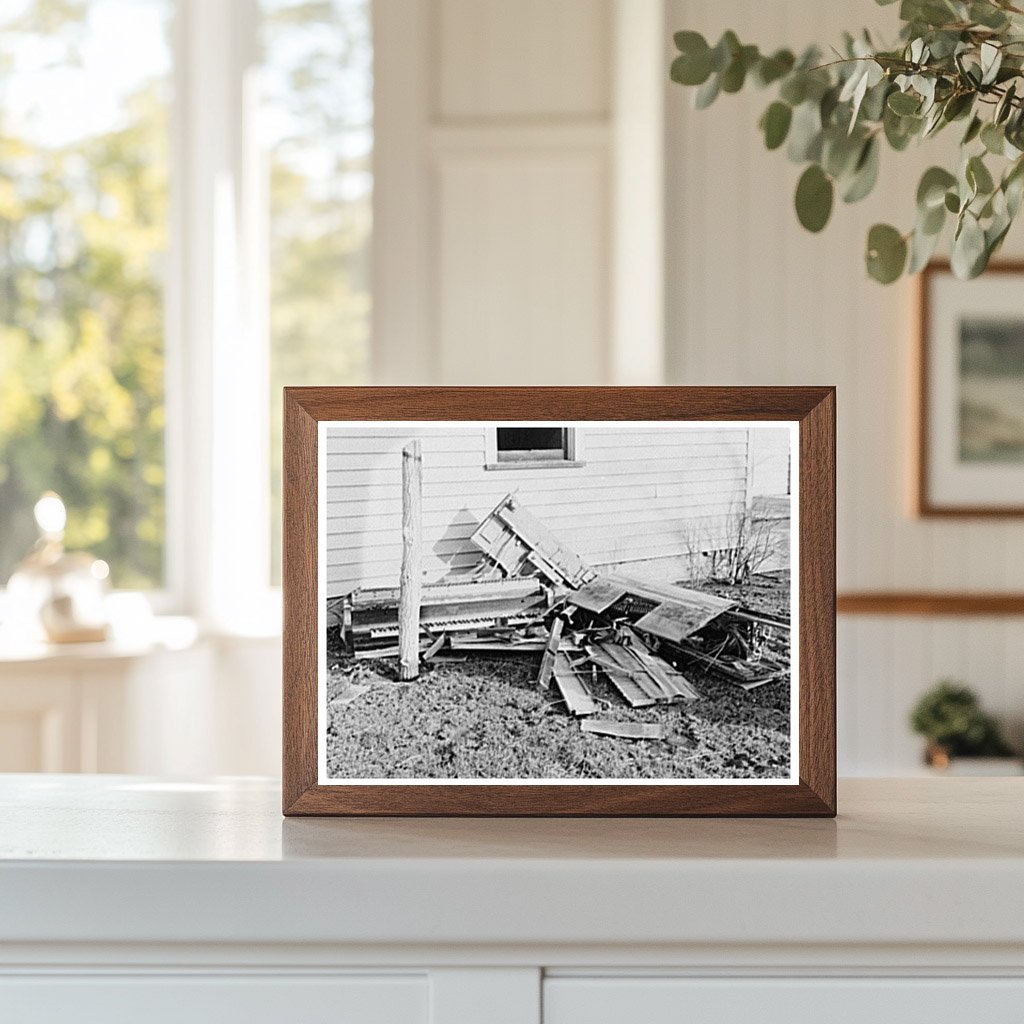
<point x="769" y="463"/>
<point x="641" y="496"/>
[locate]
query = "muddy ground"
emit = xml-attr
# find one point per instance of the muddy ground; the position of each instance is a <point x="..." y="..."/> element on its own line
<point x="485" y="718"/>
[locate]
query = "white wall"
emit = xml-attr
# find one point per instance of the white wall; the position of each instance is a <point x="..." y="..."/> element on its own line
<point x="754" y="299"/>
<point x="633" y="498"/>
<point x="508" y="137"/>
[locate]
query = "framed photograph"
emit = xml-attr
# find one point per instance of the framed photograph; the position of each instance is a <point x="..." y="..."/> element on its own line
<point x="970" y="450"/>
<point x="559" y="601"/>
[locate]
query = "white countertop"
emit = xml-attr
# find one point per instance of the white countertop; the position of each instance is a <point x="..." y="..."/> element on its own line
<point x="122" y="859"/>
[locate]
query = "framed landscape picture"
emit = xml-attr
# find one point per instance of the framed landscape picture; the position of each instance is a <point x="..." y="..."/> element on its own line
<point x="559" y="601"/>
<point x="970" y="451"/>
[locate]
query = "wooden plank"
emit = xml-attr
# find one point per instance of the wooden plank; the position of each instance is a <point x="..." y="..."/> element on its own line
<point x="547" y="663"/>
<point x="662" y="592"/>
<point x="622" y="681"/>
<point x="574" y="691"/>
<point x="675" y="622"/>
<point x="632" y="667"/>
<point x="496" y="645"/>
<point x="625" y="730"/>
<point x="452" y="593"/>
<point x="671" y="679"/>
<point x="435" y="646"/>
<point x="597" y="596"/>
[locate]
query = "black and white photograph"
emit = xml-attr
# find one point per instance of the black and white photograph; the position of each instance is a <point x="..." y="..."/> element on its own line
<point x="584" y="602"/>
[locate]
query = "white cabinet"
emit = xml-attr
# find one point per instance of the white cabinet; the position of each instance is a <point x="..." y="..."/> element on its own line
<point x="134" y="899"/>
<point x="823" y="1000"/>
<point x="202" y="999"/>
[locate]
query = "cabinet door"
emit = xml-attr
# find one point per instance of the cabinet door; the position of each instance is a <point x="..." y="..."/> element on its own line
<point x="205" y="999"/>
<point x="654" y="1000"/>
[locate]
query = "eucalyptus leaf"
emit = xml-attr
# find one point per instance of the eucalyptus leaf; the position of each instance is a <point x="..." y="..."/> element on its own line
<point x="886" y="253"/>
<point x="932" y="220"/>
<point x="707" y="93"/>
<point x="794" y="88"/>
<point x="865" y="174"/>
<point x="932" y="122"/>
<point x="840" y="152"/>
<point x="925" y="87"/>
<point x="958" y="105"/>
<point x="904" y="103"/>
<point x="724" y="51"/>
<point x="1005" y="105"/>
<point x="931" y="190"/>
<point x="691" y="69"/>
<point x="735" y="74"/>
<point x="805" y="133"/>
<point x="922" y="248"/>
<point x="771" y="69"/>
<point x="873" y="106"/>
<point x="900" y="130"/>
<point x="993" y="138"/>
<point x="987" y="15"/>
<point x="973" y="130"/>
<point x="968" y="248"/>
<point x="814" y="196"/>
<point x="978" y="176"/>
<point x="827" y="106"/>
<point x="991" y="61"/>
<point x="775" y="124"/>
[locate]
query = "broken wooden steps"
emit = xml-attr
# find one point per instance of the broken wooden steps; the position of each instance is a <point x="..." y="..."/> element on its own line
<point x="633" y="632"/>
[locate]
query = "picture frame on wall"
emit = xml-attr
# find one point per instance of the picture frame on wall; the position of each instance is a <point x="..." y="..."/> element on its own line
<point x="559" y="601"/>
<point x="970" y="419"/>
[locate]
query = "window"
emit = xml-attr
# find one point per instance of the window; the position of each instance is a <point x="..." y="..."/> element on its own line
<point x="83" y="237"/>
<point x="185" y="226"/>
<point x="533" y="447"/>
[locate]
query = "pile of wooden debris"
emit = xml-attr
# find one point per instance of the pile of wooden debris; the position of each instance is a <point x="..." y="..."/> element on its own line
<point x="534" y="596"/>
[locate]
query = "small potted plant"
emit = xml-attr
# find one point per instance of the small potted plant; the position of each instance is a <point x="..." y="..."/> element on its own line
<point x="950" y="718"/>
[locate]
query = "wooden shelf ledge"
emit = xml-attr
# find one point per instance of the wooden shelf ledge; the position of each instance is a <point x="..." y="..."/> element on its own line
<point x="929" y="603"/>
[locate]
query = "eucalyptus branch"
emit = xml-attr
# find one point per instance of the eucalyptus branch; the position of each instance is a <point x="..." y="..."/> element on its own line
<point x="955" y="61"/>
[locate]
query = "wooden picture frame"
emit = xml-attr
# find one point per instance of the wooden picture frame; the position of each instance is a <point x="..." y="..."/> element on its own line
<point x="936" y="479"/>
<point x="809" y="791"/>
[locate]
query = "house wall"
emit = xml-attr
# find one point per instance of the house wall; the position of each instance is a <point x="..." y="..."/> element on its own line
<point x="769" y="464"/>
<point x="640" y="498"/>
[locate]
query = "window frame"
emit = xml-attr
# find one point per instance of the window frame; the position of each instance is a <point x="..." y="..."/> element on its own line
<point x="571" y="448"/>
<point x="215" y="320"/>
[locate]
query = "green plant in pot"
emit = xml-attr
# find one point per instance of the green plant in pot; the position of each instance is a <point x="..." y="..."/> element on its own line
<point x="950" y="717"/>
<point x="956" y="63"/>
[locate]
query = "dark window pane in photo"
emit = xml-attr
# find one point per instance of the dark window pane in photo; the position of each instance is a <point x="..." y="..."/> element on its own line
<point x="531" y="442"/>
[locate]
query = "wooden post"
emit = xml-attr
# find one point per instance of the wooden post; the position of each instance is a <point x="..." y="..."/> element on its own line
<point x="410" y="582"/>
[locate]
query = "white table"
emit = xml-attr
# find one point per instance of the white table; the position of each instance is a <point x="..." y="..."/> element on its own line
<point x="125" y="898"/>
